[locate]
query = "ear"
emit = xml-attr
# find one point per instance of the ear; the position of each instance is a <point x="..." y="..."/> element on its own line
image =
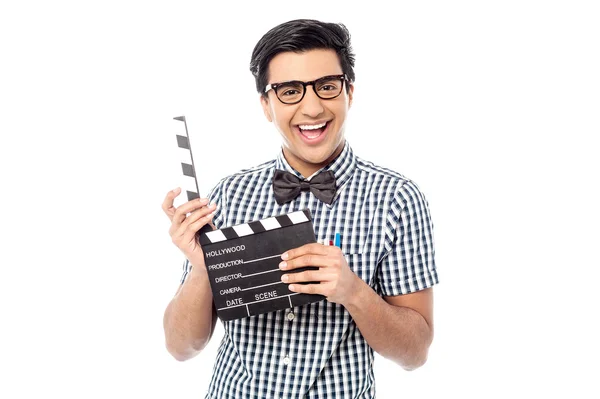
<point x="264" y="101"/>
<point x="350" y="94"/>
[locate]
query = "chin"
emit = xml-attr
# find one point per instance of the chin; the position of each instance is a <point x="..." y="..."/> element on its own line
<point x="315" y="154"/>
<point x="318" y="156"/>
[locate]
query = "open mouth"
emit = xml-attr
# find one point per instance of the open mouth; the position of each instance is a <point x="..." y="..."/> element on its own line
<point x="313" y="132"/>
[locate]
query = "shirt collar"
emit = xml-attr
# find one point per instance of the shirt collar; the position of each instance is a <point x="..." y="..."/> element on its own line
<point x="342" y="166"/>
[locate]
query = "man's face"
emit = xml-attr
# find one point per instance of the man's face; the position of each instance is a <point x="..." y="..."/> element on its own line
<point x="307" y="150"/>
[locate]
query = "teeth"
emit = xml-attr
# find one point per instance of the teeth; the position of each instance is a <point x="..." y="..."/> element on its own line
<point x="311" y="127"/>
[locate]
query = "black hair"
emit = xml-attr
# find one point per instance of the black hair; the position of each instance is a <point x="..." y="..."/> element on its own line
<point x="298" y="36"/>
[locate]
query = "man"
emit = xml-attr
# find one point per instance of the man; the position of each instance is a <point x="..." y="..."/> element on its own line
<point x="377" y="285"/>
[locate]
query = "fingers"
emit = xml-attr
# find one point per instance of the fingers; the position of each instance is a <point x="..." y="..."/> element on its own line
<point x="193" y="228"/>
<point x="188" y="234"/>
<point x="326" y="256"/>
<point x="309" y="260"/>
<point x="178" y="215"/>
<point x="182" y="212"/>
<point x="167" y="205"/>
<point x="313" y="248"/>
<point x="194" y="221"/>
<point x="318" y="289"/>
<point x="308" y="276"/>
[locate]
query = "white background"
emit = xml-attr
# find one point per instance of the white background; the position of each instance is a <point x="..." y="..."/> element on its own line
<point x="491" y="107"/>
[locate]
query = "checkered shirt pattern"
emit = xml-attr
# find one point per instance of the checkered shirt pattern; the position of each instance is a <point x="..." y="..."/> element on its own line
<point x="316" y="350"/>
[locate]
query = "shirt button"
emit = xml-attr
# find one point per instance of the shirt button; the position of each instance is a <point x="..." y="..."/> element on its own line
<point x="290" y="316"/>
<point x="286" y="360"/>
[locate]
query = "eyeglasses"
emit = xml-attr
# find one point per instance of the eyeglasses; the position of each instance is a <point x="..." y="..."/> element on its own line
<point x="292" y="92"/>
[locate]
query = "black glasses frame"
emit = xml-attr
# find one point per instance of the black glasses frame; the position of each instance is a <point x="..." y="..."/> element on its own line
<point x="312" y="83"/>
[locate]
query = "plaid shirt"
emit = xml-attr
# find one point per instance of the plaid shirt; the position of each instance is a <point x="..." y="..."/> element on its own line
<point x="316" y="350"/>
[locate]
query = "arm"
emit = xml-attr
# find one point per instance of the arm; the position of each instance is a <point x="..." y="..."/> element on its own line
<point x="399" y="328"/>
<point x="190" y="317"/>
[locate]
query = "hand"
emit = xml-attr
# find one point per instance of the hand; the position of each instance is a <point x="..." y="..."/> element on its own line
<point x="336" y="280"/>
<point x="184" y="227"/>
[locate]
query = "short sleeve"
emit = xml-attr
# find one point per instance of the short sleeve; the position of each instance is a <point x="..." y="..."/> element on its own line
<point x="409" y="263"/>
<point x="218" y="220"/>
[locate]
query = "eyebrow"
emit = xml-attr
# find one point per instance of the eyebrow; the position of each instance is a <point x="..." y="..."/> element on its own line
<point x="303" y="81"/>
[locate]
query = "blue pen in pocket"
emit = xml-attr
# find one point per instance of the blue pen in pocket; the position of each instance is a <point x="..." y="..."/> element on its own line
<point x="337" y="240"/>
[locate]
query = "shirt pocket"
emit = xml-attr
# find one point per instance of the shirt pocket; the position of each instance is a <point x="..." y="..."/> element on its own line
<point x="363" y="265"/>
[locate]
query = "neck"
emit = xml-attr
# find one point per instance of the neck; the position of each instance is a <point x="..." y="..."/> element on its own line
<point x="305" y="168"/>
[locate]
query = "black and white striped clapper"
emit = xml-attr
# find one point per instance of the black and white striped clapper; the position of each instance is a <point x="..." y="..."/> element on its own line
<point x="243" y="264"/>
<point x="190" y="183"/>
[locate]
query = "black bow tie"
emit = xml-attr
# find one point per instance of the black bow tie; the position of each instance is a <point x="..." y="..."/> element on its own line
<point x="288" y="186"/>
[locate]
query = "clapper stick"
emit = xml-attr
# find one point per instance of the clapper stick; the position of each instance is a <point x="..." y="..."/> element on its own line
<point x="188" y="168"/>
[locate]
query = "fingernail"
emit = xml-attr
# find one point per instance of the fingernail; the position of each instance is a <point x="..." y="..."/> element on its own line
<point x="284" y="255"/>
<point x="283" y="265"/>
<point x="285" y="278"/>
<point x="175" y="190"/>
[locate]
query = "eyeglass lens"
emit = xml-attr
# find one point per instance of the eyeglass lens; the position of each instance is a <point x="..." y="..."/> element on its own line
<point x="325" y="88"/>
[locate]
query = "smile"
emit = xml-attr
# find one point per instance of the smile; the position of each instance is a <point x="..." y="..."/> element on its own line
<point x="312" y="127"/>
<point x="313" y="134"/>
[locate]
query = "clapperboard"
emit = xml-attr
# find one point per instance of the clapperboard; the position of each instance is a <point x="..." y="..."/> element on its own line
<point x="189" y="182"/>
<point x="243" y="264"/>
<point x="243" y="260"/>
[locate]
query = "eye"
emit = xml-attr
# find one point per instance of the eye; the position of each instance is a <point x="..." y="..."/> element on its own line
<point x="289" y="92"/>
<point x="329" y="85"/>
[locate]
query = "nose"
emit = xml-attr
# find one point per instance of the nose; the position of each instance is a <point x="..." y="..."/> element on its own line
<point x="311" y="105"/>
